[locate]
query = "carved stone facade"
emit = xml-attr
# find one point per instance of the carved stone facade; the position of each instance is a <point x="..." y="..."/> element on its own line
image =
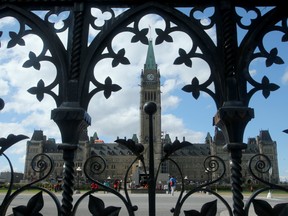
<point x="191" y="159"/>
<point x="118" y="158"/>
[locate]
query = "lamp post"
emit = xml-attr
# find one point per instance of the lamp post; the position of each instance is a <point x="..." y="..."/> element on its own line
<point x="208" y="180"/>
<point x="186" y="183"/>
<point x="78" y="170"/>
<point x="208" y="175"/>
<point x="269" y="195"/>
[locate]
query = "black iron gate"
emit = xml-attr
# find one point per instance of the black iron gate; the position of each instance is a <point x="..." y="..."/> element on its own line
<point x="228" y="60"/>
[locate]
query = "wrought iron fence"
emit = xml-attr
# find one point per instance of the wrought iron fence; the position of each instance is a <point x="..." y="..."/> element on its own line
<point x="228" y="60"/>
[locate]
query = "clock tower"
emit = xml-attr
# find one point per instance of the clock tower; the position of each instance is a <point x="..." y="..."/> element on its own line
<point x="150" y="91"/>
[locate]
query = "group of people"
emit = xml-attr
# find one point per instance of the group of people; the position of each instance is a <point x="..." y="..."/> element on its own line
<point x="116" y="185"/>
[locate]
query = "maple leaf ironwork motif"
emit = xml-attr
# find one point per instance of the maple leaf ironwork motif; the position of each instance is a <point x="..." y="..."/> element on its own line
<point x="263" y="208"/>
<point x="194" y="88"/>
<point x="97" y="208"/>
<point x="184" y="58"/>
<point x="33" y="61"/>
<point x="39" y="90"/>
<point x="163" y="36"/>
<point x="208" y="209"/>
<point x="140" y="36"/>
<point x="176" y="145"/>
<point x="33" y="208"/>
<point x="273" y="57"/>
<point x="15" y="39"/>
<point x="109" y="87"/>
<point x="268" y="87"/>
<point x="136" y="148"/>
<point x="119" y="58"/>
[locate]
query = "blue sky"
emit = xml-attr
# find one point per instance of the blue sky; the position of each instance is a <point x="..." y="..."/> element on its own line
<point x="182" y="115"/>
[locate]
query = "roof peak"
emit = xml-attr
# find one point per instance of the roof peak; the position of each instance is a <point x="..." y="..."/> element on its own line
<point x="150" y="63"/>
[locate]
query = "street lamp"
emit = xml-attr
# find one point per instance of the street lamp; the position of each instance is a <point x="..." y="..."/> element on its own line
<point x="208" y="179"/>
<point x="269" y="195"/>
<point x="78" y="170"/>
<point x="186" y="183"/>
<point x="208" y="175"/>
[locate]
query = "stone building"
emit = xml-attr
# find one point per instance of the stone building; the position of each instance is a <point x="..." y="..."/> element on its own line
<point x="118" y="158"/>
<point x="191" y="159"/>
<point x="5" y="177"/>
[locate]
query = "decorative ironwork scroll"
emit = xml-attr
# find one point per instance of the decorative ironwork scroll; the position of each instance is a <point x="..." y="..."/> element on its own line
<point x="260" y="165"/>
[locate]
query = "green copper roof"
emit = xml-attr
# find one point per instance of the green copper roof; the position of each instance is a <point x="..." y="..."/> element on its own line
<point x="150" y="59"/>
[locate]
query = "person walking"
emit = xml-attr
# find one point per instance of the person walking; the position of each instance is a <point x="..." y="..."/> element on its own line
<point x="172" y="182"/>
<point x="106" y="183"/>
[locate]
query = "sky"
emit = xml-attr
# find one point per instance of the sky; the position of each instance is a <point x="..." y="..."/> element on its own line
<point x="182" y="115"/>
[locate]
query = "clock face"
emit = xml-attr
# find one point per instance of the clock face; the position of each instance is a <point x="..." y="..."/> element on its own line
<point x="150" y="77"/>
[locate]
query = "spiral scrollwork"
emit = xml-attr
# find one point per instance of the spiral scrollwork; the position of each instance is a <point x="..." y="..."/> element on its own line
<point x="41" y="162"/>
<point x="94" y="165"/>
<point x="211" y="164"/>
<point x="259" y="164"/>
<point x="215" y="169"/>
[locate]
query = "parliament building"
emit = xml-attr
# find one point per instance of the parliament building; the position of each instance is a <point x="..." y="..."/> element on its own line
<point x="118" y="158"/>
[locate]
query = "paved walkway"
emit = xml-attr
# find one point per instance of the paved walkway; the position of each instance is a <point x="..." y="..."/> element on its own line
<point x="164" y="203"/>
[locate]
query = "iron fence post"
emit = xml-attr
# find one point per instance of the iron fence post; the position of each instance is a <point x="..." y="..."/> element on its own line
<point x="232" y="118"/>
<point x="71" y="121"/>
<point x="233" y="115"/>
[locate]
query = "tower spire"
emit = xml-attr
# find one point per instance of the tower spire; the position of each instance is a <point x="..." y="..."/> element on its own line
<point x="150" y="58"/>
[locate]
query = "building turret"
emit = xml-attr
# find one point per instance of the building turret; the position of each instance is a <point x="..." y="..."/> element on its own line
<point x="150" y="91"/>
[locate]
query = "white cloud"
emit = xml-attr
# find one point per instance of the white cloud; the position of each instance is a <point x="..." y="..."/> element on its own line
<point x="253" y="72"/>
<point x="170" y="102"/>
<point x="284" y="179"/>
<point x="4" y="87"/>
<point x="175" y="128"/>
<point x="15" y="150"/>
<point x="4" y="168"/>
<point x="285" y="77"/>
<point x="8" y="21"/>
<point x="22" y="159"/>
<point x="11" y="128"/>
<point x="168" y="86"/>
